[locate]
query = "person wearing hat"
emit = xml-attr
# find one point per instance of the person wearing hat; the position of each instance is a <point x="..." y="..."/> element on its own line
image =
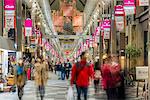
<point x="20" y="78"/>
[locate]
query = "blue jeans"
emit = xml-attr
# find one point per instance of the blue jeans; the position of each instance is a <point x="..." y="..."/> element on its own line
<point x="81" y="90"/>
<point x="63" y="75"/>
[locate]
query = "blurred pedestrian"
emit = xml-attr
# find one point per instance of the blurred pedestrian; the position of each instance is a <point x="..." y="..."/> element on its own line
<point x="81" y="73"/>
<point x="118" y="76"/>
<point x="68" y="68"/>
<point x="63" y="71"/>
<point x="41" y="76"/>
<point x="20" y="78"/>
<point x="97" y="76"/>
<point x="107" y="79"/>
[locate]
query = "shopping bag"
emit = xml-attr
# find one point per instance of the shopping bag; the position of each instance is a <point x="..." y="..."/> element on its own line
<point x="70" y="95"/>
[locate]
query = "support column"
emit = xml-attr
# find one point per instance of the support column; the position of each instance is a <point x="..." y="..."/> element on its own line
<point x="1" y="17"/>
<point x="149" y="53"/>
<point x="19" y="24"/>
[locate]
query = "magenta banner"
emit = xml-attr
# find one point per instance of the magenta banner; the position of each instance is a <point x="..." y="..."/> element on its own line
<point x="106" y="23"/>
<point x="119" y="10"/>
<point x="28" y="27"/>
<point x="28" y="22"/>
<point x="129" y="7"/>
<point x="9" y="4"/>
<point x="129" y="3"/>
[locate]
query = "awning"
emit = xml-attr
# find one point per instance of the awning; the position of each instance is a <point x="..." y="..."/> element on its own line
<point x="6" y="44"/>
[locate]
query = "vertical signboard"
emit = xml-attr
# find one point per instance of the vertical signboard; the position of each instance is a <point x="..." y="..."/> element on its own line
<point x="119" y="18"/>
<point x="142" y="2"/>
<point x="9" y="16"/>
<point x="107" y="26"/>
<point x="129" y="7"/>
<point x="28" y="27"/>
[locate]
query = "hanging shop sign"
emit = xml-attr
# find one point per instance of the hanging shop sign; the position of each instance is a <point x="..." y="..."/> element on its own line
<point x="91" y="41"/>
<point x="88" y="43"/>
<point x="97" y="31"/>
<point x="107" y="26"/>
<point x="9" y="4"/>
<point x="119" y="17"/>
<point x="129" y="7"/>
<point x="28" y="27"/>
<point x="9" y="15"/>
<point x="142" y="2"/>
<point x="43" y="42"/>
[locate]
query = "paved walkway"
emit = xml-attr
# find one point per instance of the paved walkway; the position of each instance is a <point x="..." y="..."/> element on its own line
<point x="57" y="90"/>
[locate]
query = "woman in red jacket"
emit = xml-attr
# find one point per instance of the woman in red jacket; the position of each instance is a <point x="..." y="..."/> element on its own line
<point x="81" y="73"/>
<point x="117" y="77"/>
<point x="107" y="79"/>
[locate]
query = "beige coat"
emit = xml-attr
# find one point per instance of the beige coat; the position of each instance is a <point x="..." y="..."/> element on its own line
<point x="41" y="73"/>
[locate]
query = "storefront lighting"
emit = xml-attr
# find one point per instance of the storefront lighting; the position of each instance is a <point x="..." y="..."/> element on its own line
<point x="39" y="23"/>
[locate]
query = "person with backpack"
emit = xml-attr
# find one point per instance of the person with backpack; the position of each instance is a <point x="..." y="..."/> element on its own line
<point x="81" y="74"/>
<point x="20" y="78"/>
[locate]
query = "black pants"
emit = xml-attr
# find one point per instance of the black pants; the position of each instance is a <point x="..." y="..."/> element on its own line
<point x="81" y="90"/>
<point x="111" y="94"/>
<point x="20" y="92"/>
<point x="67" y="74"/>
<point x="96" y="85"/>
<point x="41" y="91"/>
<point x="121" y="92"/>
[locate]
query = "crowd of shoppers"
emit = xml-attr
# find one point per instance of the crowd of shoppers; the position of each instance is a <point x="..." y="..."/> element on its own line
<point x="109" y="74"/>
<point x="82" y="73"/>
<point x="63" y="70"/>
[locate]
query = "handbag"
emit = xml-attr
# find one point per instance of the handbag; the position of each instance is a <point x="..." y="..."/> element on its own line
<point x="70" y="94"/>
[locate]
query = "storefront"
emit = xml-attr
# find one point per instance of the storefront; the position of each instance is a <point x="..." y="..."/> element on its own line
<point x="6" y="49"/>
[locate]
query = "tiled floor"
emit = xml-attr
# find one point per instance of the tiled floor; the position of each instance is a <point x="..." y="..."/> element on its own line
<point x="57" y="90"/>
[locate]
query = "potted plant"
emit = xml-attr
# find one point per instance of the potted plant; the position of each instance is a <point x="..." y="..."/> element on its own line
<point x="132" y="54"/>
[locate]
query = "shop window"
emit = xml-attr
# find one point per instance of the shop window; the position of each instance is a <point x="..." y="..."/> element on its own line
<point x="11" y="34"/>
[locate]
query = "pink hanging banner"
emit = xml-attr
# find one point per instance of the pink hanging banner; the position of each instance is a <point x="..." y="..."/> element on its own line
<point x="97" y="31"/>
<point x="119" y="17"/>
<point x="28" y="22"/>
<point x="129" y="7"/>
<point x="107" y="26"/>
<point x="142" y="2"/>
<point x="119" y="10"/>
<point x="9" y="4"/>
<point x="129" y="3"/>
<point x="106" y="23"/>
<point x="28" y="27"/>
